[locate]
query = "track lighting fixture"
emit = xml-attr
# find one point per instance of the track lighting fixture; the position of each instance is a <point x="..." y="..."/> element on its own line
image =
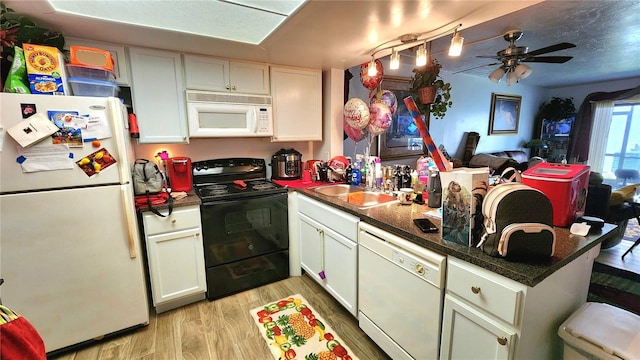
<point x="371" y="70"/>
<point x="456" y="44"/>
<point x="407" y="41"/>
<point x="421" y="55"/>
<point x="394" y="61"/>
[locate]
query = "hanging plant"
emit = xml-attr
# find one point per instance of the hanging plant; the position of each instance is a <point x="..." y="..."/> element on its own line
<point x="556" y="109"/>
<point x="428" y="77"/>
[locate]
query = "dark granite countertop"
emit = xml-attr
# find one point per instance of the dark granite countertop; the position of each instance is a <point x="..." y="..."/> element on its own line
<point x="397" y="219"/>
<point x="190" y="200"/>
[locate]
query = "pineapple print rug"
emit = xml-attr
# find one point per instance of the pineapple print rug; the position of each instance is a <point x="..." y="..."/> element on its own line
<point x="294" y="330"/>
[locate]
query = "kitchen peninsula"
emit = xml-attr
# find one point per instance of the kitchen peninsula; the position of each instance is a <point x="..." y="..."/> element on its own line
<point x="513" y="309"/>
<point x="397" y="219"/>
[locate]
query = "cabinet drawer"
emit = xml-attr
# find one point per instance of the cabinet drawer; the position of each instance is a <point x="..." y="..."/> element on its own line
<point x="491" y="292"/>
<point x="180" y="219"/>
<point x="338" y="221"/>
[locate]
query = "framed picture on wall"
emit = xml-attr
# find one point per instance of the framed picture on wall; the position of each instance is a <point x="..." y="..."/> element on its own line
<point x="505" y="114"/>
<point x="402" y="139"/>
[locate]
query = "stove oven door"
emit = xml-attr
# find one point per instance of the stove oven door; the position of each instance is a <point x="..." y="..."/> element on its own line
<point x="246" y="243"/>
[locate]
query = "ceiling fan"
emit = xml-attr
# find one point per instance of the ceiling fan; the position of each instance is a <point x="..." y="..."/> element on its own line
<point x="513" y="56"/>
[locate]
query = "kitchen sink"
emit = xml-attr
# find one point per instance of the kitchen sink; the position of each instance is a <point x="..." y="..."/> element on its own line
<point x="336" y="190"/>
<point x="356" y="196"/>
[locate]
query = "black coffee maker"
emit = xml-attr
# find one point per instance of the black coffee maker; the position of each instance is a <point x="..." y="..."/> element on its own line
<point x="434" y="189"/>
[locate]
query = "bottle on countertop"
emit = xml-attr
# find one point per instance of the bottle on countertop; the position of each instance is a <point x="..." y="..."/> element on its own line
<point x="378" y="172"/>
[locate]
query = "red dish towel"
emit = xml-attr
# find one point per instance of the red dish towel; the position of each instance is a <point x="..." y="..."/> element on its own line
<point x="20" y="340"/>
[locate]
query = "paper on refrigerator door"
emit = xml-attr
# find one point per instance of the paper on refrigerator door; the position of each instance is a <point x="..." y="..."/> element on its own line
<point x="44" y="157"/>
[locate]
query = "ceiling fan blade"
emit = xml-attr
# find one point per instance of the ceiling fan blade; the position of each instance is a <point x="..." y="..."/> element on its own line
<point x="552" y="48"/>
<point x="548" y="59"/>
<point x="488" y="57"/>
<point x="475" y="67"/>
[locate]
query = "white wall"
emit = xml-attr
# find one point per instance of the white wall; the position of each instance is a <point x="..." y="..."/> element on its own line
<point x="471" y="96"/>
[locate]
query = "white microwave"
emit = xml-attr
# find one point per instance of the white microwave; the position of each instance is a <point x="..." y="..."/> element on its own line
<point x="213" y="114"/>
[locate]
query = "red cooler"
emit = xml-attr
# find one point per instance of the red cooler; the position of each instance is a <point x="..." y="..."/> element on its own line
<point x="179" y="169"/>
<point x="565" y="185"/>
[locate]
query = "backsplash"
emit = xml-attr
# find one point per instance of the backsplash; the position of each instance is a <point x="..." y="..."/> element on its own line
<point x="204" y="149"/>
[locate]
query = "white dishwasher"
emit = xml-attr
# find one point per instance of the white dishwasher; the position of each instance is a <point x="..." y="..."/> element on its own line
<point x="400" y="294"/>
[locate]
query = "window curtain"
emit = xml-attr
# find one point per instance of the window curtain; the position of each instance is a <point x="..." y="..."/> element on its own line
<point x="578" y="148"/>
<point x="602" y="115"/>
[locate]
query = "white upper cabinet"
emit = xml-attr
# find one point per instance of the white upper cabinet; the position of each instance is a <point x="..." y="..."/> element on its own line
<point x="297" y="104"/>
<point x="214" y="74"/>
<point x="157" y="88"/>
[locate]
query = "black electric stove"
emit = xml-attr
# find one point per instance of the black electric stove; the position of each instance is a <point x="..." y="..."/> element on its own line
<point x="232" y="178"/>
<point x="245" y="226"/>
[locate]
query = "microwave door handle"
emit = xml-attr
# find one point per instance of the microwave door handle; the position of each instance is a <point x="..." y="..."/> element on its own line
<point x="254" y="110"/>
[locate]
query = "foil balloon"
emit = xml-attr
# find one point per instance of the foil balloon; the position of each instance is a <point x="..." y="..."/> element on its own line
<point x="356" y="113"/>
<point x="389" y="98"/>
<point x="380" y="118"/>
<point x="354" y="134"/>
<point x="371" y="82"/>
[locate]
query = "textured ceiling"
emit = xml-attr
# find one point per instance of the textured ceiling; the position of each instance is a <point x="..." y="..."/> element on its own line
<point x="342" y="33"/>
<point x="606" y="35"/>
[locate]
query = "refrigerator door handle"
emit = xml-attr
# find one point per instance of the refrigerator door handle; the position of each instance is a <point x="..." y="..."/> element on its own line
<point x="117" y="110"/>
<point x="129" y="218"/>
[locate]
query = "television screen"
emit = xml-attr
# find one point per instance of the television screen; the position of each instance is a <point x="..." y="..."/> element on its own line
<point x="557" y="128"/>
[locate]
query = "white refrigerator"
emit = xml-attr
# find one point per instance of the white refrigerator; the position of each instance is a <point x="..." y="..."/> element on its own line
<point x="69" y="242"/>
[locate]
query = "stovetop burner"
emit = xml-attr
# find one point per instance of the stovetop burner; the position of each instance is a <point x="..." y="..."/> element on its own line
<point x="218" y="179"/>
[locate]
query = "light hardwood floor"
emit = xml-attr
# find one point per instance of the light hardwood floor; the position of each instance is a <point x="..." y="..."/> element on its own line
<point x="223" y="329"/>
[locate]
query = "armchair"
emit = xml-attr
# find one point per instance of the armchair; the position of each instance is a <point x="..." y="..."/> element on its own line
<point x="614" y="207"/>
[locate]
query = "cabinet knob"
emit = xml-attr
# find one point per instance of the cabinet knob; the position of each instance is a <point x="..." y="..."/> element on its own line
<point x="502" y="341"/>
<point x="228" y="87"/>
<point x="233" y="88"/>
<point x="173" y="221"/>
<point x="475" y="289"/>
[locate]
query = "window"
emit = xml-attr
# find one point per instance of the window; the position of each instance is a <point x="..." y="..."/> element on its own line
<point x="623" y="145"/>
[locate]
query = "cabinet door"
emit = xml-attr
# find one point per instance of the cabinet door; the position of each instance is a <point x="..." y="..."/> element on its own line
<point x="469" y="334"/>
<point x="310" y="246"/>
<point x="158" y="95"/>
<point x="297" y="104"/>
<point x="176" y="265"/>
<point x="117" y="54"/>
<point x="340" y="262"/>
<point x="249" y="78"/>
<point x="206" y="73"/>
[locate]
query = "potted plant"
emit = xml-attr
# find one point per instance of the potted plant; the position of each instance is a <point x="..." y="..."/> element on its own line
<point x="539" y="147"/>
<point x="431" y="93"/>
<point x="556" y="109"/>
<point x="17" y="29"/>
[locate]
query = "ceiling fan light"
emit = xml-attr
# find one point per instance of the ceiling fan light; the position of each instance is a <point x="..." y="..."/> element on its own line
<point x="512" y="78"/>
<point x="371" y="69"/>
<point x="455" y="49"/>
<point x="421" y="56"/>
<point x="496" y="74"/>
<point x="394" y="61"/>
<point x="522" y="71"/>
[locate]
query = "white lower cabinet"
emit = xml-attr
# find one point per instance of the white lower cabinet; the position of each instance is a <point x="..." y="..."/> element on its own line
<point x="488" y="316"/>
<point x="469" y="334"/>
<point x="175" y="257"/>
<point x="329" y="249"/>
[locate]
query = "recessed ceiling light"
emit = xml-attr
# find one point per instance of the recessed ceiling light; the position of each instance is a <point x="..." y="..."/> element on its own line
<point x="247" y="21"/>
